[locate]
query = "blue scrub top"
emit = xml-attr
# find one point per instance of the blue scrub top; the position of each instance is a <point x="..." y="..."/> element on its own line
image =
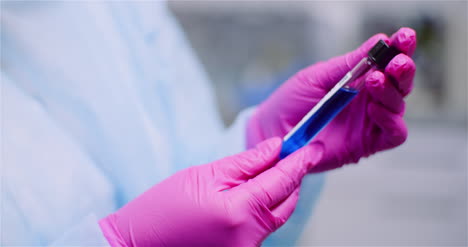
<point x="100" y="101"/>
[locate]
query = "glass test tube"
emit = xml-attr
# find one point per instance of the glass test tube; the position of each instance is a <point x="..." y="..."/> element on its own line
<point x="336" y="99"/>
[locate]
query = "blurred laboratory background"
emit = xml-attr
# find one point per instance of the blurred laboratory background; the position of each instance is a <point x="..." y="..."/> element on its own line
<point x="415" y="195"/>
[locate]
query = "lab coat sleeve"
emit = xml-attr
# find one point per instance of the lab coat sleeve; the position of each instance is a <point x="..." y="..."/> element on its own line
<point x="51" y="190"/>
<point x="85" y="233"/>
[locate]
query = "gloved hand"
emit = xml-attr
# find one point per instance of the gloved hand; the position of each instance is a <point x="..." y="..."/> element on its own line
<point x="372" y="122"/>
<point x="235" y="201"/>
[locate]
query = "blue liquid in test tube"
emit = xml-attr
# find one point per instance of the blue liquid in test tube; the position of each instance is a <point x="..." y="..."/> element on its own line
<point x="317" y="121"/>
<point x="336" y="99"/>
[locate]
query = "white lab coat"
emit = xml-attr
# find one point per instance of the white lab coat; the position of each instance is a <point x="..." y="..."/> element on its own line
<point x="100" y="101"/>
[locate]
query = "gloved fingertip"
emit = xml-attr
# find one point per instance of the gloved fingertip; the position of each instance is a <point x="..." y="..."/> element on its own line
<point x="398" y="66"/>
<point x="315" y="153"/>
<point x="405" y="40"/>
<point x="406" y="36"/>
<point x="400" y="60"/>
<point x="375" y="80"/>
<point x="402" y="68"/>
<point x="269" y="145"/>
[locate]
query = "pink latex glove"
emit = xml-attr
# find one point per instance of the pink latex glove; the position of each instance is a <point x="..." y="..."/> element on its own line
<point x="235" y="201"/>
<point x="372" y="122"/>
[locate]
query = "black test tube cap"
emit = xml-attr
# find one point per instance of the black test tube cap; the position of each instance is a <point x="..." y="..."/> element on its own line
<point x="382" y="53"/>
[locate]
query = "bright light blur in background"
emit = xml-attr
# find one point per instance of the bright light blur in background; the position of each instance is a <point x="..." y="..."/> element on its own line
<point x="413" y="195"/>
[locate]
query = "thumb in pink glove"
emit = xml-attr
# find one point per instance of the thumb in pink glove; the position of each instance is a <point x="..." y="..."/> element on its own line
<point x="372" y="122"/>
<point x="235" y="201"/>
